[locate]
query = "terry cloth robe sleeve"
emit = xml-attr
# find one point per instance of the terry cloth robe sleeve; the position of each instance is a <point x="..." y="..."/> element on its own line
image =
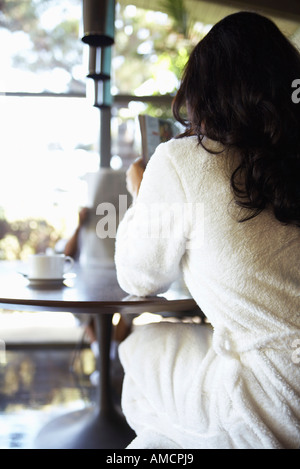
<point x="151" y="238"/>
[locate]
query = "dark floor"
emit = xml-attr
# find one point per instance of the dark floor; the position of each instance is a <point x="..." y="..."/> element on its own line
<point x="40" y="383"/>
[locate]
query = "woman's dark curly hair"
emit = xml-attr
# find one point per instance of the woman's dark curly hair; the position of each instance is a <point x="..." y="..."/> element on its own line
<point x="237" y="89"/>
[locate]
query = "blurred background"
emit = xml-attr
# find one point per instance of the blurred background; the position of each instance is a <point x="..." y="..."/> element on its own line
<point x="49" y="127"/>
<point x="50" y="141"/>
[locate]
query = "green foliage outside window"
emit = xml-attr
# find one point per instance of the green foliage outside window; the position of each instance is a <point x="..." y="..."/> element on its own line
<point x="20" y="238"/>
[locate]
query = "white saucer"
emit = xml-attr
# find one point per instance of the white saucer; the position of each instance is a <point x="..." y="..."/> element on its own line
<point x="49" y="282"/>
<point x="46" y="281"/>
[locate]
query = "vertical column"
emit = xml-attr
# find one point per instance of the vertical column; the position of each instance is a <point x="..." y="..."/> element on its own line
<point x="104" y="331"/>
<point x="98" y="22"/>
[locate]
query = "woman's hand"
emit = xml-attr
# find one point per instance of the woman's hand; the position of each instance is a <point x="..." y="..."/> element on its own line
<point x="134" y="176"/>
<point x="83" y="214"/>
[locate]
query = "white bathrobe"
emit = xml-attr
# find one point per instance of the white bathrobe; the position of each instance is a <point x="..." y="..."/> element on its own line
<point x="185" y="387"/>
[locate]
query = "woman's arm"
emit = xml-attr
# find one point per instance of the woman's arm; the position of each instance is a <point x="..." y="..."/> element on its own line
<point x="150" y="241"/>
<point x="134" y="177"/>
<point x="71" y="247"/>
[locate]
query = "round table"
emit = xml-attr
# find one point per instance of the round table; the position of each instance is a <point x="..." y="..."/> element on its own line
<point x="87" y="290"/>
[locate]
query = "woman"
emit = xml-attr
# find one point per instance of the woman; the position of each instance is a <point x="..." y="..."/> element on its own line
<point x="238" y="167"/>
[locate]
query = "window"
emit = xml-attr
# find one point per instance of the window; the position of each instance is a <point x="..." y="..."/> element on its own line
<point x="50" y="131"/>
<point x="41" y="50"/>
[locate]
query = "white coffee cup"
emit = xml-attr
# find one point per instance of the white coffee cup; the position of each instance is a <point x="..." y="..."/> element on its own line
<point x="53" y="266"/>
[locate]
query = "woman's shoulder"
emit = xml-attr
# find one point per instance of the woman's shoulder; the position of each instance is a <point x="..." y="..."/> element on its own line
<point x="181" y="144"/>
<point x="177" y="150"/>
<point x="191" y="144"/>
<point x="189" y="152"/>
